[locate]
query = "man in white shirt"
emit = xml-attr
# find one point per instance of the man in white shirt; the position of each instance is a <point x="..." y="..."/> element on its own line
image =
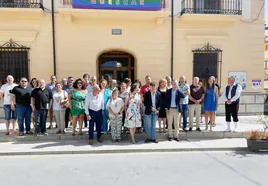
<point x="231" y="95"/>
<point x="169" y="85"/>
<point x="93" y="82"/>
<point x="94" y="109"/>
<point x="5" y="95"/>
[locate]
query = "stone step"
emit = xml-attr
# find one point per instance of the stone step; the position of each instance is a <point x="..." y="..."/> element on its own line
<point x="52" y="136"/>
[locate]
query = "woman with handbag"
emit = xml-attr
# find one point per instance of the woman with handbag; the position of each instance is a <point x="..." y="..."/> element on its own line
<point x="60" y="99"/>
<point x="115" y="107"/>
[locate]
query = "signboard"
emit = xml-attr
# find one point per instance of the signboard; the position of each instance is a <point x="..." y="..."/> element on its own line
<point x="240" y="78"/>
<point x="116" y="31"/>
<point x="256" y="84"/>
<point x="148" y="5"/>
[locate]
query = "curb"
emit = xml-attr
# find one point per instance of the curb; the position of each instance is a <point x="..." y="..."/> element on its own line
<point x="126" y="151"/>
<point x="139" y="136"/>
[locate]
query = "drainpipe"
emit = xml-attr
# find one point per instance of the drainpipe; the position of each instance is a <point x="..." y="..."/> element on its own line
<point x="172" y="36"/>
<point x="53" y="38"/>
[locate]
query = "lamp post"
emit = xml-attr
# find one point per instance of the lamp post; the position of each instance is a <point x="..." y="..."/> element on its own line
<point x="53" y="38"/>
<point x="172" y="37"/>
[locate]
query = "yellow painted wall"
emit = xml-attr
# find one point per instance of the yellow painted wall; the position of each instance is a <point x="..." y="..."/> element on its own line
<point x="82" y="35"/>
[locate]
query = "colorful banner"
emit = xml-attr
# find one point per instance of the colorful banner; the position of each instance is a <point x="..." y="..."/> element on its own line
<point x="147" y="5"/>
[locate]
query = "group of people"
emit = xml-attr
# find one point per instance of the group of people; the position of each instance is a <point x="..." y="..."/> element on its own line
<point x="114" y="108"/>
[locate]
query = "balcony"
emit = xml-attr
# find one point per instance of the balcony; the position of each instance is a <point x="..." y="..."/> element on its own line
<point x="21" y="4"/>
<point x="211" y="10"/>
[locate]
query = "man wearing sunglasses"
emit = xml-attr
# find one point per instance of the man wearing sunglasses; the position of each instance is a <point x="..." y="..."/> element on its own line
<point x="22" y="94"/>
<point x="41" y="101"/>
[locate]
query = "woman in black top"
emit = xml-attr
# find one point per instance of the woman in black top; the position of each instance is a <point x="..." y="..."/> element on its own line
<point x="162" y="88"/>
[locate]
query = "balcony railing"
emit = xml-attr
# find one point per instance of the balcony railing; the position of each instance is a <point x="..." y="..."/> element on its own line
<point x="68" y="4"/>
<point x="228" y="7"/>
<point x="21" y="4"/>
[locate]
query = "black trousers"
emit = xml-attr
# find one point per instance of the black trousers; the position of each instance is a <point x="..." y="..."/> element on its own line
<point x="231" y="110"/>
<point x="67" y="116"/>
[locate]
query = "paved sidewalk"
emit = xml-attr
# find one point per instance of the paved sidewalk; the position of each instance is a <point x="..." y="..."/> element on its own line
<point x="82" y="147"/>
<point x="246" y="124"/>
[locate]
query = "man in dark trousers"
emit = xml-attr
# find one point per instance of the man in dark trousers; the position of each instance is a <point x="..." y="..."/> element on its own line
<point x="152" y="103"/>
<point x="41" y="101"/>
<point x="231" y="96"/>
<point x="172" y="108"/>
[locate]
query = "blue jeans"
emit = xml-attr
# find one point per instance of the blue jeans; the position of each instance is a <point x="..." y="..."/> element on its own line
<point x="9" y="114"/>
<point x="96" y="117"/>
<point x="24" y="114"/>
<point x="184" y="111"/>
<point x="150" y="123"/>
<point x="104" y="121"/>
<point x="40" y="120"/>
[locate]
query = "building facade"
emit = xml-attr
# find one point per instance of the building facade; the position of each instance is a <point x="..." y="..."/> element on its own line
<point x="211" y="37"/>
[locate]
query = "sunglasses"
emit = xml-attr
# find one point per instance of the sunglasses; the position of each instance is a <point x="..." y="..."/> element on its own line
<point x="79" y="83"/>
<point x="24" y="81"/>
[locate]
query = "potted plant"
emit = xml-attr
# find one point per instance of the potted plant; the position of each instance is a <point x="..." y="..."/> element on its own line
<point x="258" y="139"/>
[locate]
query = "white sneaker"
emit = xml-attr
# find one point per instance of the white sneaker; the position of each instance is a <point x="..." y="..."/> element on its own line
<point x="227" y="130"/>
<point x="235" y="130"/>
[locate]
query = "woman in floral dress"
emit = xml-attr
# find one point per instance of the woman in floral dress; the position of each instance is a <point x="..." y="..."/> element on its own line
<point x="77" y="99"/>
<point x="133" y="111"/>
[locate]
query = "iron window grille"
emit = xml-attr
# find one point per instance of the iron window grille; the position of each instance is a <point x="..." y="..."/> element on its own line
<point x="14" y="60"/>
<point x="207" y="61"/>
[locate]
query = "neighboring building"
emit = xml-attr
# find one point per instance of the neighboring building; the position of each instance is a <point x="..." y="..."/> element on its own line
<point x="211" y="37"/>
<point x="266" y="59"/>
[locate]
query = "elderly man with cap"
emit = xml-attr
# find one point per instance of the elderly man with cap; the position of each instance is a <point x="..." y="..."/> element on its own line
<point x="231" y="95"/>
<point x="94" y="109"/>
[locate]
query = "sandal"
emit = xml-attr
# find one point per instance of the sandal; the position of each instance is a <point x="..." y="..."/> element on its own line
<point x="58" y="132"/>
<point x="21" y="134"/>
<point x="80" y="133"/>
<point x="50" y="127"/>
<point x="29" y="132"/>
<point x="63" y="132"/>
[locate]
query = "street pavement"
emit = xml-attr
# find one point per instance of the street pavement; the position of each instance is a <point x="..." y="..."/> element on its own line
<point x="82" y="147"/>
<point x="228" y="168"/>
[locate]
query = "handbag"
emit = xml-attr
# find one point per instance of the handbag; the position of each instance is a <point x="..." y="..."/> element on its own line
<point x="67" y="104"/>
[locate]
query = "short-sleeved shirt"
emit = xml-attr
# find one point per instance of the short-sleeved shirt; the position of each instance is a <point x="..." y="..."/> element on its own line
<point x="22" y="95"/>
<point x="5" y="89"/>
<point x="115" y="105"/>
<point x="41" y="98"/>
<point x="51" y="87"/>
<point x="144" y="89"/>
<point x="67" y="88"/>
<point x="184" y="88"/>
<point x="57" y="98"/>
<point x="90" y="88"/>
<point x="196" y="92"/>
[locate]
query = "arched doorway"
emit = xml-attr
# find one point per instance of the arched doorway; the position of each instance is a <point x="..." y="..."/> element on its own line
<point x="116" y="65"/>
